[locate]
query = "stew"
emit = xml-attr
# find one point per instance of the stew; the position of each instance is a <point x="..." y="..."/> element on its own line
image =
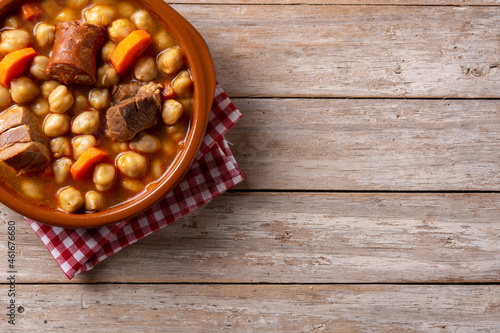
<point x="95" y="102"/>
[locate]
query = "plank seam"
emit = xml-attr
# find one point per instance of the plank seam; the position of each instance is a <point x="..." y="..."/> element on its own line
<point x="495" y="283"/>
<point x="327" y="4"/>
<point x="365" y="191"/>
<point x="235" y="97"/>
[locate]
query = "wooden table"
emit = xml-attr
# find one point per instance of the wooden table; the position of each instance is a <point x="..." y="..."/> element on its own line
<point x="371" y="150"/>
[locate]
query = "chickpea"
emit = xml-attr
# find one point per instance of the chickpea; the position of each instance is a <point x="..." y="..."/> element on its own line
<point x="60" y="146"/>
<point x="61" y="99"/>
<point x="23" y="90"/>
<point x="163" y="40"/>
<point x="158" y="168"/>
<point x="81" y="143"/>
<point x="70" y="199"/>
<point x="81" y="102"/>
<point x="45" y="34"/>
<point x="143" y="20"/>
<point x="133" y="185"/>
<point x="145" y="69"/>
<point x="39" y="66"/>
<point x="66" y="15"/>
<point x="100" y="15"/>
<point x="50" y="7"/>
<point x="13" y="40"/>
<point x="94" y="201"/>
<point x="111" y="3"/>
<point x="182" y="84"/>
<point x="77" y="3"/>
<point x="86" y="122"/>
<point x="40" y="107"/>
<point x="170" y="61"/>
<point x="132" y="164"/>
<point x="107" y="51"/>
<point x="120" y="29"/>
<point x="177" y="131"/>
<point x="12" y="22"/>
<point x="56" y="124"/>
<point x="119" y="147"/>
<point x="104" y="176"/>
<point x="48" y="87"/>
<point x="172" y="111"/>
<point x="187" y="103"/>
<point x="5" y="98"/>
<point x="99" y="99"/>
<point x="169" y="146"/>
<point x="61" y="168"/>
<point x="125" y="9"/>
<point x="106" y="76"/>
<point x="145" y="143"/>
<point x="32" y="189"/>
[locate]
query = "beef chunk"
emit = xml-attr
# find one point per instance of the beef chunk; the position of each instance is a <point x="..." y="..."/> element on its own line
<point x="21" y="144"/>
<point x="124" y="91"/>
<point x="15" y="116"/>
<point x="134" y="114"/>
<point x="118" y="117"/>
<point x="22" y="133"/>
<point x="148" y="97"/>
<point x="26" y="155"/>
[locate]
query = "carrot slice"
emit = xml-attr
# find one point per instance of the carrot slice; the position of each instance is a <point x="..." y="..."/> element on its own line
<point x="128" y="49"/>
<point x="168" y="91"/>
<point x="31" y="10"/>
<point x="84" y="164"/>
<point x="14" y="64"/>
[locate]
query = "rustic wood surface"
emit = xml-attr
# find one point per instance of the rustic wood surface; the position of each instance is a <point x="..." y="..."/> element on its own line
<point x="354" y="51"/>
<point x="370" y="144"/>
<point x="377" y="144"/>
<point x="295" y="238"/>
<point x="250" y="308"/>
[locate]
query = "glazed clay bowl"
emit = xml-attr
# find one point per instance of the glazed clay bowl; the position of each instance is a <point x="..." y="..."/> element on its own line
<point x="202" y="71"/>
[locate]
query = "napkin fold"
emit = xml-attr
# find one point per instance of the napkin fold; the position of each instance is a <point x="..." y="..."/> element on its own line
<point x="212" y="173"/>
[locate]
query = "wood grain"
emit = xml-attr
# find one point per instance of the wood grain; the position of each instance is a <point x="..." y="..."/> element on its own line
<point x="251" y="308"/>
<point x="347" y="2"/>
<point x="331" y="144"/>
<point x="357" y="51"/>
<point x="302" y="238"/>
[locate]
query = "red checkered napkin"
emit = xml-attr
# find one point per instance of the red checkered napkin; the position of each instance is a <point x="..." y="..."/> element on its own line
<point x="212" y="173"/>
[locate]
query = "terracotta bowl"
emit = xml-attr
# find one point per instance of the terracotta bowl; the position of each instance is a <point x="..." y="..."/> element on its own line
<point x="202" y="70"/>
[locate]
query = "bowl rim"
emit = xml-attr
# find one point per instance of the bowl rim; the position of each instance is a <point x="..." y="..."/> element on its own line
<point x="202" y="70"/>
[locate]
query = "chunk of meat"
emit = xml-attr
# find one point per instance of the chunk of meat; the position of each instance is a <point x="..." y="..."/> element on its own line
<point x="148" y="97"/>
<point x="124" y="91"/>
<point x="118" y="118"/>
<point x="21" y="144"/>
<point x="74" y="56"/>
<point x="22" y="133"/>
<point x="26" y="155"/>
<point x="135" y="114"/>
<point x="16" y="116"/>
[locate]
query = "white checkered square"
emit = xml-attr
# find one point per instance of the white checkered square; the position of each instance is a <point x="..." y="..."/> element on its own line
<point x="45" y="239"/>
<point x="78" y="255"/>
<point x="55" y="253"/>
<point x="175" y="208"/>
<point x="68" y="242"/>
<point x="65" y="266"/>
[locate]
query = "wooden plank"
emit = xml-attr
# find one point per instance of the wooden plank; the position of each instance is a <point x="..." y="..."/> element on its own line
<point x="343" y="144"/>
<point x="348" y="2"/>
<point x="252" y="308"/>
<point x="359" y="51"/>
<point x="301" y="238"/>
